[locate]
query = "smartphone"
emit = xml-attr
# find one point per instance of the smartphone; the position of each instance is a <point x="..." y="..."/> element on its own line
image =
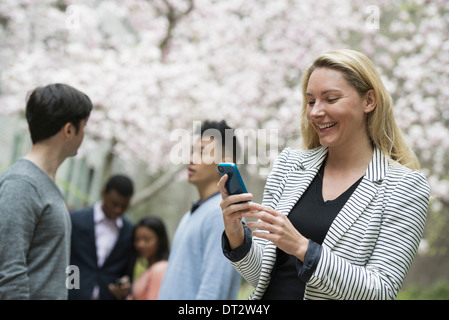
<point x="234" y="184"/>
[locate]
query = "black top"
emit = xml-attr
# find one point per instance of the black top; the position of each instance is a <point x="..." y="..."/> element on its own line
<point x="312" y="217"/>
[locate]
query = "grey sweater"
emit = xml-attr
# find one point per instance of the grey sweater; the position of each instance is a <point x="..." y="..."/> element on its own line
<point x="35" y="230"/>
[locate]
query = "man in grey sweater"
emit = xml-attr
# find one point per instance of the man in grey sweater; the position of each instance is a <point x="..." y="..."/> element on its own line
<point x="35" y="226"/>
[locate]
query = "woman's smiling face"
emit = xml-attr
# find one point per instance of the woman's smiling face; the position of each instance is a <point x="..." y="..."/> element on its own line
<point x="335" y="109"/>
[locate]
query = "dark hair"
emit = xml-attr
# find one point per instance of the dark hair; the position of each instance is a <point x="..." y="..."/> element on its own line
<point x="157" y="225"/>
<point x="225" y="132"/>
<point x="49" y="108"/>
<point x="120" y="183"/>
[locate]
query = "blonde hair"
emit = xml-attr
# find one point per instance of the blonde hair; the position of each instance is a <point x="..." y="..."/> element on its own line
<point x="361" y="74"/>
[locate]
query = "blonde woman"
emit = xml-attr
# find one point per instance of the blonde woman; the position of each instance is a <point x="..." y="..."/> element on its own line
<point x="343" y="218"/>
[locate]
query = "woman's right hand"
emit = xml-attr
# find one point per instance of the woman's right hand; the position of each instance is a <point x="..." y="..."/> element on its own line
<point x="232" y="213"/>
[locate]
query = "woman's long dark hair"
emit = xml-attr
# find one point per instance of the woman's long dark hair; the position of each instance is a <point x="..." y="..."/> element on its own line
<point x="163" y="251"/>
<point x="157" y="225"/>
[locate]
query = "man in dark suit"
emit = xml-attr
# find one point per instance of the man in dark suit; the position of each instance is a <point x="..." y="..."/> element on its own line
<point x="102" y="243"/>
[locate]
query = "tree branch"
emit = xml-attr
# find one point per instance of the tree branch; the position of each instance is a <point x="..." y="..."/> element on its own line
<point x="173" y="19"/>
<point x="157" y="185"/>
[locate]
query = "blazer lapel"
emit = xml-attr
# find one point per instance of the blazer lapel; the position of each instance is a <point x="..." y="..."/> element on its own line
<point x="298" y="180"/>
<point x="359" y="200"/>
<point x="93" y="244"/>
<point x="296" y="184"/>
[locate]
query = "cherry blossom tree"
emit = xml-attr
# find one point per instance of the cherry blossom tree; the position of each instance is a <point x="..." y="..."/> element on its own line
<point x="152" y="67"/>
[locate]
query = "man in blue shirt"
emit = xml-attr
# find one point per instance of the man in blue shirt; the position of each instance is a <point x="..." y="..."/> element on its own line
<point x="197" y="268"/>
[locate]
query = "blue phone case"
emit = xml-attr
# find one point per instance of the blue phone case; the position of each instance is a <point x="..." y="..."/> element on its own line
<point x="235" y="183"/>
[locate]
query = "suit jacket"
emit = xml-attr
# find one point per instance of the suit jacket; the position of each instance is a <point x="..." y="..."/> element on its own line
<point x="372" y="242"/>
<point x="84" y="256"/>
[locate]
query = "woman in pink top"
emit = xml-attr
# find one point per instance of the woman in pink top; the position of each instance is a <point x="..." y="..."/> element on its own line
<point x="151" y="243"/>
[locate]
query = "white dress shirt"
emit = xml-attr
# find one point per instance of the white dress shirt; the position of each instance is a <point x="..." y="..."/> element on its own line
<point x="106" y="235"/>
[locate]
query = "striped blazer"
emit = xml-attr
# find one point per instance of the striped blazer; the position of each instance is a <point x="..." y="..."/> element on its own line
<point x="372" y="242"/>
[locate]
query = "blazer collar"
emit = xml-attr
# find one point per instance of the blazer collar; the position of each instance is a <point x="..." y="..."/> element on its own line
<point x="100" y="216"/>
<point x="376" y="171"/>
<point x="306" y="167"/>
<point x="360" y="199"/>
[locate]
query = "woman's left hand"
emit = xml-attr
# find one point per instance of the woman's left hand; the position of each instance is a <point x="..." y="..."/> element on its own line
<point x="279" y="230"/>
